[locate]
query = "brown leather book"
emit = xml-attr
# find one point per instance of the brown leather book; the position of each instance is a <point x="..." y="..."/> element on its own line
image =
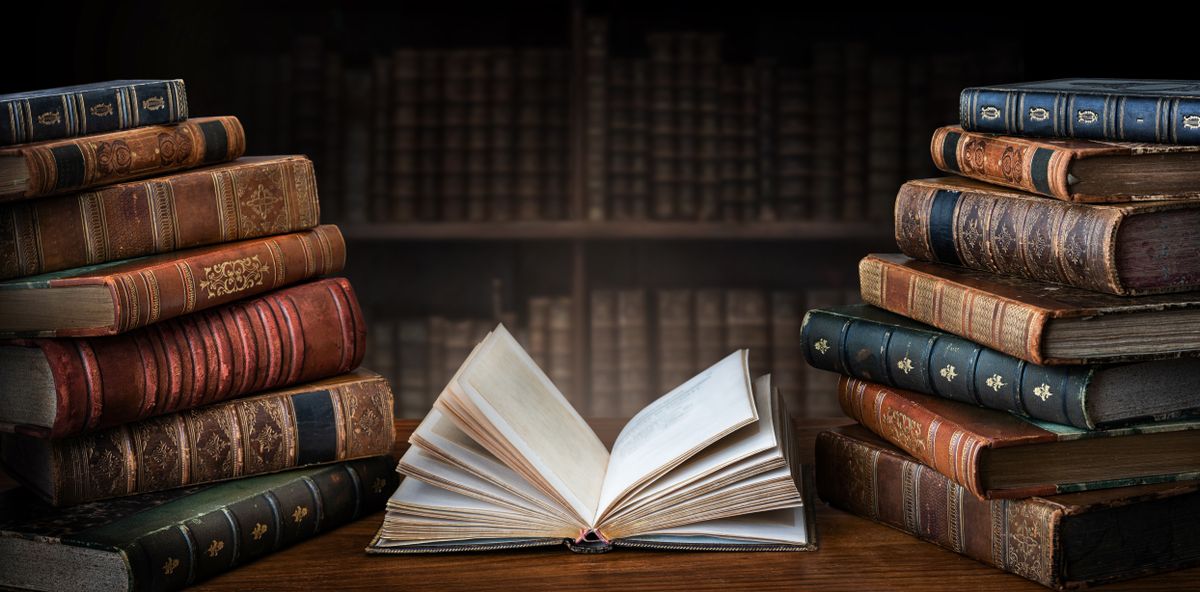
<point x="60" y="387"/>
<point x="336" y="419"/>
<point x="248" y="198"/>
<point x="1125" y="249"/>
<point x="124" y="295"/>
<point x="1071" y="169"/>
<point x="1035" y="321"/>
<point x="998" y="455"/>
<point x="58" y="166"/>
<point x="1063" y="541"/>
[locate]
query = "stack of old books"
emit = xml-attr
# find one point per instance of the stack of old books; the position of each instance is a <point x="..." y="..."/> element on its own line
<point x="1025" y="376"/>
<point x="166" y="328"/>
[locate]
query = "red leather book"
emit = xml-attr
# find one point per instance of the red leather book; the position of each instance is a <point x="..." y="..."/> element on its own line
<point x="117" y="297"/>
<point x="998" y="455"/>
<point x="60" y="387"/>
<point x="247" y="198"/>
<point x="58" y="166"/>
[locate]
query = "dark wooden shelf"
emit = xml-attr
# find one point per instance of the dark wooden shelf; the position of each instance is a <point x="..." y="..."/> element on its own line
<point x="557" y="230"/>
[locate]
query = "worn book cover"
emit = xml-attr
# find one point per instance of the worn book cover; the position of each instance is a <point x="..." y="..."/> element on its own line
<point x="94" y="108"/>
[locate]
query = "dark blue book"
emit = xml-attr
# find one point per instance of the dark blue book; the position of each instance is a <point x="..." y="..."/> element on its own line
<point x="1154" y="111"/>
<point x="72" y="111"/>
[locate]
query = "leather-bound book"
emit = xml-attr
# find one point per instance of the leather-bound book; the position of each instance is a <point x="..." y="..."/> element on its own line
<point x="170" y="540"/>
<point x="116" y="297"/>
<point x="95" y="108"/>
<point x="1087" y="171"/>
<point x="59" y="166"/>
<point x="872" y="344"/>
<point x="1063" y="541"/>
<point x="1126" y="249"/>
<point x="1035" y="321"/>
<point x="60" y="387"/>
<point x="998" y="455"/>
<point x="247" y="198"/>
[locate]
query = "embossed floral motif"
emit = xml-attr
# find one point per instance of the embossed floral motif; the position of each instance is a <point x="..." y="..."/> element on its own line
<point x="101" y="109"/>
<point x="904" y="431"/>
<point x="113" y="158"/>
<point x="1038" y="245"/>
<point x="1191" y="121"/>
<point x="1010" y="164"/>
<point x="160" y="460"/>
<point x="153" y="103"/>
<point x="299" y="514"/>
<point x="259" y="530"/>
<point x="974" y="156"/>
<point x="996" y="382"/>
<point x="104" y="468"/>
<point x="1038" y="114"/>
<point x="169" y="566"/>
<point x="215" y="547"/>
<point x="1024" y="551"/>
<point x="948" y="372"/>
<point x="50" y="118"/>
<point x="822" y="345"/>
<point x="989" y="112"/>
<point x="1042" y="391"/>
<point x="174" y="147"/>
<point x="1087" y="116"/>
<point x="905" y="364"/>
<point x="233" y="276"/>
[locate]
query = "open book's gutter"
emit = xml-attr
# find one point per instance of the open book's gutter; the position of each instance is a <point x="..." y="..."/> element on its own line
<point x="632" y="544"/>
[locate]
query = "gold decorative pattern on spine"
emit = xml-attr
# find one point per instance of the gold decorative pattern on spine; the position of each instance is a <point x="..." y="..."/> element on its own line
<point x="259" y="530"/>
<point x="999" y="515"/>
<point x="162" y="215"/>
<point x="983" y="315"/>
<point x="954" y="508"/>
<point x="223" y="190"/>
<point x="277" y="260"/>
<point x="1014" y="329"/>
<point x="870" y="280"/>
<point x="233" y="276"/>
<point x="923" y="299"/>
<point x="1029" y="544"/>
<point x="904" y="431"/>
<point x="307" y="250"/>
<point x="822" y="345"/>
<point x="152" y="294"/>
<point x="91" y="210"/>
<point x="169" y="566"/>
<point x="130" y="311"/>
<point x="189" y="286"/>
<point x="910" y="495"/>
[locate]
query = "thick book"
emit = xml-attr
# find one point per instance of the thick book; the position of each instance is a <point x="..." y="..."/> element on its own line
<point x="1035" y="321"/>
<point x="95" y="108"/>
<point x="1125" y="249"/>
<point x="1087" y="171"/>
<point x="997" y="455"/>
<point x="61" y="387"/>
<point x="503" y="461"/>
<point x="170" y="540"/>
<point x="121" y="296"/>
<point x="1063" y="541"/>
<point x="871" y="344"/>
<point x="59" y="166"/>
<point x="247" y="198"/>
<point x="1153" y="111"/>
<point x="340" y="418"/>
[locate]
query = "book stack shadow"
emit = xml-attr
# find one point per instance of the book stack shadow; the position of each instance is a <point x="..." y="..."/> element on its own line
<point x="1024" y="374"/>
<point x="181" y="391"/>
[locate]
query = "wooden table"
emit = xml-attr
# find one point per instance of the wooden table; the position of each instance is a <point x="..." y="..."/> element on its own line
<point x="855" y="554"/>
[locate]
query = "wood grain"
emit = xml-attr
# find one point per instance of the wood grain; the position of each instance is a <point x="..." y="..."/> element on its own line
<point x="854" y="554"/>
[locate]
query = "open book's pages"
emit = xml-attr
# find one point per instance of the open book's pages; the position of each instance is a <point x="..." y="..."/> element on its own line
<point x="503" y="461"/>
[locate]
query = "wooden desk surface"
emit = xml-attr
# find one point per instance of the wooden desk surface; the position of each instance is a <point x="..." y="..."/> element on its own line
<point x="854" y="554"/>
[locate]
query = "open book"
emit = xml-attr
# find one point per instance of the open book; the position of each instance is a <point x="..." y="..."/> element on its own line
<point x="503" y="461"/>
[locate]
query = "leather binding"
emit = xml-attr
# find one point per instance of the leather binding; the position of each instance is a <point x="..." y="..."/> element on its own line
<point x="951" y="438"/>
<point x="1030" y="537"/>
<point x="293" y="335"/>
<point x="1154" y="111"/>
<point x="869" y="344"/>
<point x="336" y="419"/>
<point x="247" y="198"/>
<point x="1039" y="166"/>
<point x="153" y="289"/>
<point x="59" y="166"/>
<point x="170" y="540"/>
<point x="1003" y="313"/>
<point x="967" y="223"/>
<point x="95" y="108"/>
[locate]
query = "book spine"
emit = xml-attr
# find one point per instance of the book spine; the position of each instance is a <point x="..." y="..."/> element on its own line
<point x="401" y="149"/>
<point x="72" y="114"/>
<point x="1019" y="536"/>
<point x="477" y="151"/>
<point x="603" y="350"/>
<point x="1011" y="162"/>
<point x="820" y="387"/>
<point x="501" y="106"/>
<point x="235" y="202"/>
<point x="294" y="335"/>
<point x="65" y="165"/>
<point x="686" y="125"/>
<point x="453" y="200"/>
<point x="188" y="552"/>
<point x="676" y="341"/>
<point x="263" y="434"/>
<point x="595" y="110"/>
<point x="950" y="448"/>
<point x="1115" y="117"/>
<point x="1040" y="239"/>
<point x="213" y="276"/>
<point x="380" y="179"/>
<point x="708" y="142"/>
<point x="559" y="338"/>
<point x="947" y="366"/>
<point x="1009" y="326"/>
<point x="633" y="353"/>
<point x="664" y="153"/>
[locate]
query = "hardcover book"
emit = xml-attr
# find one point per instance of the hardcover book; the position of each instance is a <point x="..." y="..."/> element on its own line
<point x="871" y="344"/>
<point x="1034" y="321"/>
<point x="1125" y="249"/>
<point x="61" y="387"/>
<point x="341" y="418"/>
<point x="58" y="166"/>
<point x="94" y="108"/>
<point x="1088" y="171"/>
<point x="247" y="198"/>
<point x="1154" y="111"/>
<point x="997" y="455"/>
<point x="172" y="539"/>
<point x="504" y="462"/>
<point x="1063" y="541"/>
<point x="115" y="297"/>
